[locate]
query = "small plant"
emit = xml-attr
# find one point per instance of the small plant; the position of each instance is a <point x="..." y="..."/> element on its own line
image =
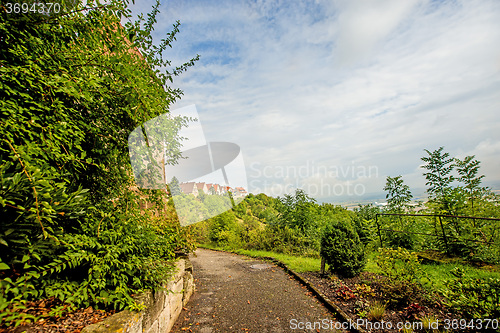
<point x="429" y="323"/>
<point x="413" y="311"/>
<point x="377" y="311"/>
<point x="362" y="314"/>
<point x="406" y="330"/>
<point x="364" y="290"/>
<point x="345" y="292"/>
<point x="361" y="307"/>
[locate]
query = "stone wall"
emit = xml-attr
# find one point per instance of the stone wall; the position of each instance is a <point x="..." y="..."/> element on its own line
<point x="162" y="307"/>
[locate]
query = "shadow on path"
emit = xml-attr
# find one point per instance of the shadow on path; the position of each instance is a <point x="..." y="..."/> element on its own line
<point x="239" y="294"/>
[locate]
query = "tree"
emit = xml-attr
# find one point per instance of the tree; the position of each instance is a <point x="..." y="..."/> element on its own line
<point x="364" y="220"/>
<point x="398" y="194"/>
<point x="73" y="86"/>
<point x="297" y="211"/>
<point x="439" y="177"/>
<point x="174" y="187"/>
<point x="398" y="198"/>
<point x="224" y="228"/>
<point x="211" y="190"/>
<point x="467" y="170"/>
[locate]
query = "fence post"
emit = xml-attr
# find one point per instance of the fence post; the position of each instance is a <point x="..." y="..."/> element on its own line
<point x="378" y="229"/>
<point x="322" y="266"/>
<point x="444" y="234"/>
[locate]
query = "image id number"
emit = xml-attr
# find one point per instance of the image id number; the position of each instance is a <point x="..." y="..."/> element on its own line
<point x="475" y="324"/>
<point x="37" y="7"/>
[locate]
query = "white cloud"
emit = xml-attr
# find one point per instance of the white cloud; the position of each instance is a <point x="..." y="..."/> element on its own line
<point x="374" y="82"/>
<point x="364" y="23"/>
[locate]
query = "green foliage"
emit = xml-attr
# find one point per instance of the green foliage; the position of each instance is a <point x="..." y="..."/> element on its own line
<point x="473" y="297"/>
<point x="174" y="187"/>
<point x="377" y="311"/>
<point x="261" y="224"/>
<point x="467" y="170"/>
<point x="399" y="239"/>
<point x="364" y="222"/>
<point x="399" y="264"/>
<point x="459" y="236"/>
<point x="439" y="177"/>
<point x="73" y="87"/>
<point x="285" y="239"/>
<point x="404" y="274"/>
<point x="342" y="249"/>
<point x="297" y="211"/>
<point x="222" y="227"/>
<point x="398" y="200"/>
<point x="398" y="194"/>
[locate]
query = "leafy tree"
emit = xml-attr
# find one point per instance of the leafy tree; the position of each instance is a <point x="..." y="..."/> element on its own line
<point x="73" y="86"/>
<point x="297" y="211"/>
<point x="224" y="229"/>
<point x="364" y="221"/>
<point x="217" y="204"/>
<point x="189" y="208"/>
<point x="211" y="190"/>
<point x="467" y="170"/>
<point x="439" y="177"/>
<point x="398" y="194"/>
<point x="398" y="199"/>
<point x="367" y="212"/>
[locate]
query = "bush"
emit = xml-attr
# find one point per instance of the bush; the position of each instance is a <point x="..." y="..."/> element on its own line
<point x="473" y="297"/>
<point x="400" y="239"/>
<point x="404" y="274"/>
<point x="342" y="249"/>
<point x="223" y="229"/>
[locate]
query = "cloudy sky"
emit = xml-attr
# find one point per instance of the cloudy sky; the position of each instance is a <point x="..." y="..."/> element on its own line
<point x="334" y="96"/>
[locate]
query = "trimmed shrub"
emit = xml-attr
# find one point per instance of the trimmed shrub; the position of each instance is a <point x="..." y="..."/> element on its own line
<point x="342" y="249"/>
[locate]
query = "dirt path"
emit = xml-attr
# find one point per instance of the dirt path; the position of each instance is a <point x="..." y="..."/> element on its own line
<point x="240" y="294"/>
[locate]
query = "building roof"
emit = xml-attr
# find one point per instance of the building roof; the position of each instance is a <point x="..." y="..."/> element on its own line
<point x="188" y="187"/>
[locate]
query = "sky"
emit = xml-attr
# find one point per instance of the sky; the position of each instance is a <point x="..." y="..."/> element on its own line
<point x="334" y="96"/>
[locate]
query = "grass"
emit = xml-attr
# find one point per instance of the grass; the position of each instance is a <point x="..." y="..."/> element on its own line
<point x="437" y="273"/>
<point x="371" y="266"/>
<point x="428" y="322"/>
<point x="295" y="263"/>
<point x="377" y="311"/>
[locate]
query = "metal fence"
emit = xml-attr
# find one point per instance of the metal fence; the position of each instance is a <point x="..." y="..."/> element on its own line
<point x="446" y="238"/>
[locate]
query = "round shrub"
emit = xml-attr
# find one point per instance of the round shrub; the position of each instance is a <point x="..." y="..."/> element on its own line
<point x="342" y="249"/>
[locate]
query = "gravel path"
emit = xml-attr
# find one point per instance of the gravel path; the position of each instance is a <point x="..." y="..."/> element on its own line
<point x="239" y="294"/>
